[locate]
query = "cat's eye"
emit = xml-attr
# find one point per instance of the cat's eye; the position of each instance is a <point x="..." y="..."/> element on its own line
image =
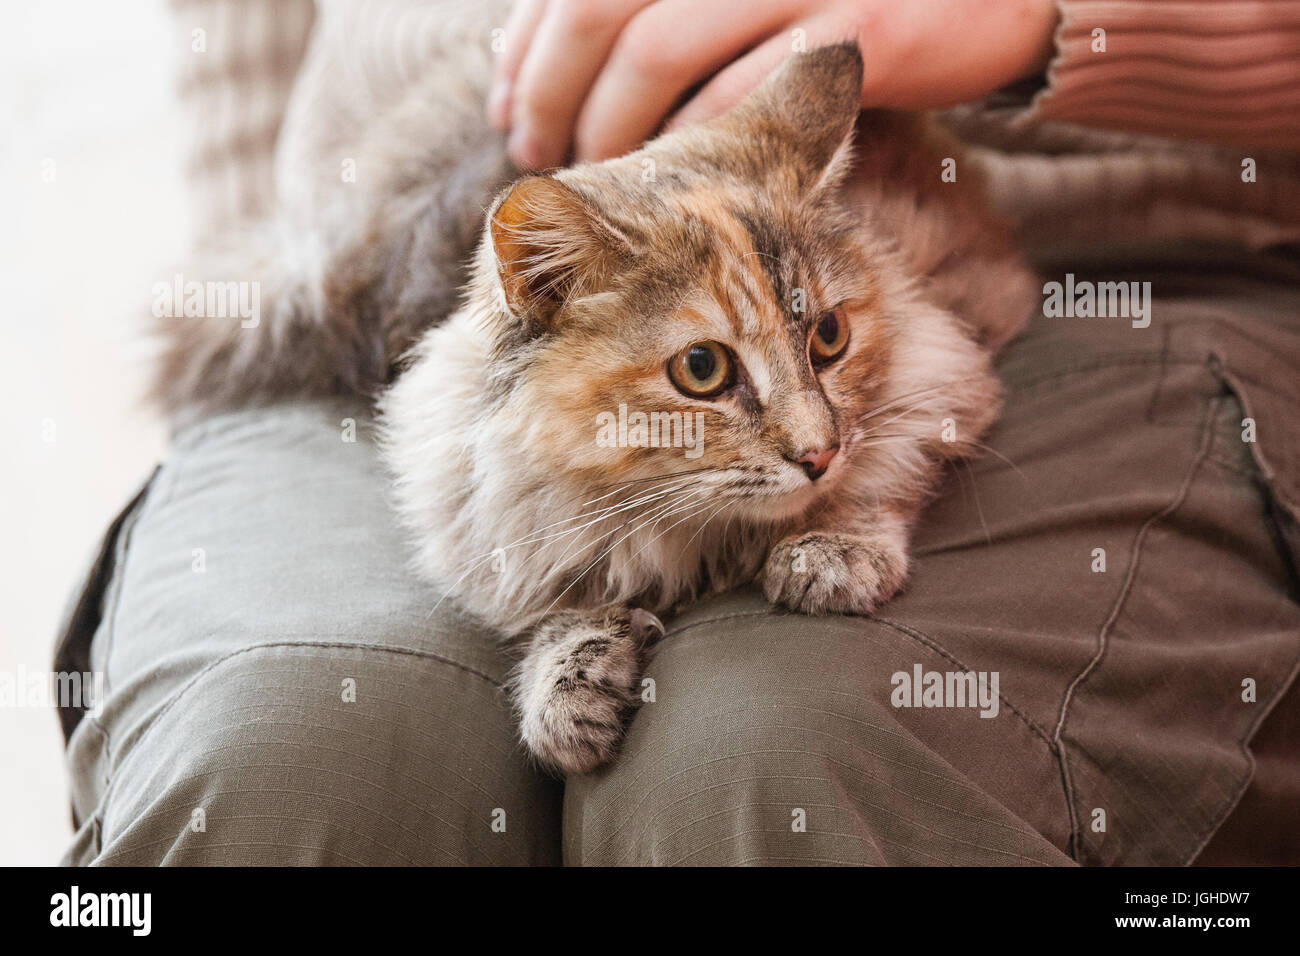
<point x="829" y="338"/>
<point x="701" y="370"/>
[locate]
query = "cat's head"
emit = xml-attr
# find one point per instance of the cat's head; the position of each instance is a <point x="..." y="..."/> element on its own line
<point x="709" y="292"/>
<point x="706" y="328"/>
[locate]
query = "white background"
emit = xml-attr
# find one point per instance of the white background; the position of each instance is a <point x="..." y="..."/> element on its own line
<point x="88" y="84"/>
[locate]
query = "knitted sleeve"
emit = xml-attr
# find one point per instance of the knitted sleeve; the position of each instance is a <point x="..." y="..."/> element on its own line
<point x="236" y="61"/>
<point x="1225" y="71"/>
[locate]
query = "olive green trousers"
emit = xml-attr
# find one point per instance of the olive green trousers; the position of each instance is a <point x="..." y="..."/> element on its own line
<point x="1121" y="562"/>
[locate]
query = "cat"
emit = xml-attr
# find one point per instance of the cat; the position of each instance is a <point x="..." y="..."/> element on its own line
<point x="790" y="292"/>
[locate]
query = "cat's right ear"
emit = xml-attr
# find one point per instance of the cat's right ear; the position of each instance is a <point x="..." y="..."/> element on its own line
<point x="801" y="117"/>
<point x="551" y="246"/>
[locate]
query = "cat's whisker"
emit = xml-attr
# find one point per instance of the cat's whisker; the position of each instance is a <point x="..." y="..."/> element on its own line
<point x="600" y="557"/>
<point x="873" y="438"/>
<point x="638" y="496"/>
<point x="979" y="508"/>
<point x="660" y="509"/>
<point x="602" y="514"/>
<point x="755" y="252"/>
<point x="700" y="529"/>
<point x="596" y="516"/>
<point x="560" y="566"/>
<point x="650" y="498"/>
<point x="452" y="590"/>
<point x="699" y="510"/>
<point x="669" y="515"/>
<point x="903" y="414"/>
<point x="726" y="529"/>
<point x="913" y="394"/>
<point x="632" y="481"/>
<point x="961" y="484"/>
<point x="993" y="451"/>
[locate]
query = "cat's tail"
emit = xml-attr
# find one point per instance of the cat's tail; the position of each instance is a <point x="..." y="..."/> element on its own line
<point x="252" y="318"/>
<point x="283" y="310"/>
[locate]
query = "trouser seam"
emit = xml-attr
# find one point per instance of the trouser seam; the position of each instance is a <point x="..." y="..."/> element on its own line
<point x="1232" y="386"/>
<point x="927" y="641"/>
<point x="904" y="629"/>
<point x="181" y="692"/>
<point x="113" y="600"/>
<point x="1103" y="635"/>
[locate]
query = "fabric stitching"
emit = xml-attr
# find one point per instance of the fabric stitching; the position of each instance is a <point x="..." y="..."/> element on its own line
<point x="121" y="554"/>
<point x="903" y="629"/>
<point x="349" y="645"/>
<point x="1275" y="478"/>
<point x="1236" y="467"/>
<point x="1103" y="636"/>
<point x="1156" y="393"/>
<point x="1244" y="746"/>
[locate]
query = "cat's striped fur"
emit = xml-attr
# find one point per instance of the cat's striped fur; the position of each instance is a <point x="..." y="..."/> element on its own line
<point x="743" y="231"/>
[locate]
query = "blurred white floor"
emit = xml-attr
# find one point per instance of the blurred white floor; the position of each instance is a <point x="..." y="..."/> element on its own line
<point x="91" y="214"/>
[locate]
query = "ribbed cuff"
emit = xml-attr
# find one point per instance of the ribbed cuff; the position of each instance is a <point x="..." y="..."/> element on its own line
<point x="1224" y="71"/>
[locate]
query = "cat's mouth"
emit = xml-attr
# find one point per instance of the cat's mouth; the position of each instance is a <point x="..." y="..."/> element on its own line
<point x="790" y="493"/>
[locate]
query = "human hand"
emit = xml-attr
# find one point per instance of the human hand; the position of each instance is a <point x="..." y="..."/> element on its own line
<point x="591" y="79"/>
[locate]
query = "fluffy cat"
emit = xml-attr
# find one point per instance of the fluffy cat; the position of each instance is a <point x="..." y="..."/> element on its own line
<point x="820" y="315"/>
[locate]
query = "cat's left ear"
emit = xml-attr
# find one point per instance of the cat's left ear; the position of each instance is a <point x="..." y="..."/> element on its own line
<point x="551" y="246"/>
<point x="802" y="115"/>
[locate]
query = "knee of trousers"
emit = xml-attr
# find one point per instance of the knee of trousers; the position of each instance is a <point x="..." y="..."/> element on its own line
<point x="771" y="738"/>
<point x="327" y="754"/>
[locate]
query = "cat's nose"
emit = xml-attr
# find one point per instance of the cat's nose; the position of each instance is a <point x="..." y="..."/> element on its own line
<point x="817" y="460"/>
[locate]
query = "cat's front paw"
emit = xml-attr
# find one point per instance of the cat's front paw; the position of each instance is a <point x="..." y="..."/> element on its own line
<point x="577" y="685"/>
<point x="825" y="573"/>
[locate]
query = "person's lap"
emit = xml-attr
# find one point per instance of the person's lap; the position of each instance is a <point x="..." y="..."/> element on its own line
<point x="304" y="695"/>
<point x="271" y="663"/>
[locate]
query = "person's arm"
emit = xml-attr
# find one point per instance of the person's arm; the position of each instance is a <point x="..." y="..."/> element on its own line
<point x="234" y="71"/>
<point x="1226" y="72"/>
<point x="593" y="79"/>
<point x="589" y="79"/>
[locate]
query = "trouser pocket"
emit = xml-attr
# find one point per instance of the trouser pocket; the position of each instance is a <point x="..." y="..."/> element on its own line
<point x="1260" y="366"/>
